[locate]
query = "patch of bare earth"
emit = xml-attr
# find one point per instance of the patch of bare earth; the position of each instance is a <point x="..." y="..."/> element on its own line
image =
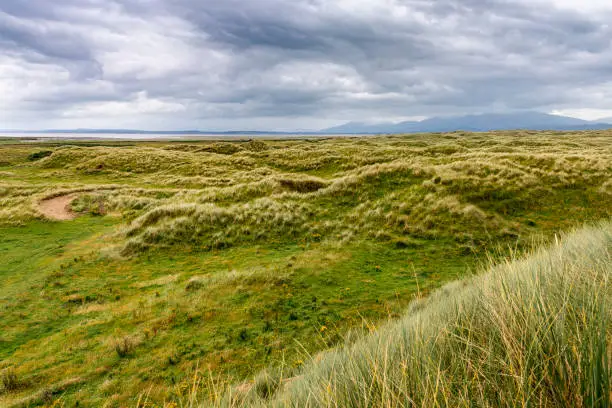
<point x="58" y="208"/>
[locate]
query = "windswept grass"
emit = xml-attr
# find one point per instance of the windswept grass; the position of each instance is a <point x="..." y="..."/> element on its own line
<point x="233" y="257"/>
<point x="216" y="227"/>
<point x="535" y="331"/>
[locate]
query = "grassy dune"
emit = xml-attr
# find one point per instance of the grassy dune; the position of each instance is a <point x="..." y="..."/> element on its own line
<point x="535" y="331"/>
<point x="220" y="259"/>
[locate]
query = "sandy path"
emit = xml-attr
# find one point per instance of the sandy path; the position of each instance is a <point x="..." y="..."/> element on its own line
<point x="58" y="208"/>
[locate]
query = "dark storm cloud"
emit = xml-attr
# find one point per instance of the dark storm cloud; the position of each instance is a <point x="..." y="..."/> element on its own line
<point x="38" y="34"/>
<point x="20" y="37"/>
<point x="426" y="40"/>
<point x="202" y="62"/>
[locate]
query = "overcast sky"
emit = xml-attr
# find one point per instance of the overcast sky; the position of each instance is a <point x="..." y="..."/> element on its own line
<point x="297" y="64"/>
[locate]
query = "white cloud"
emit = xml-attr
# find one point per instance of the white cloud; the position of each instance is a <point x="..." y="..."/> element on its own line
<point x="297" y="64"/>
<point x="139" y="104"/>
<point x="582" y="5"/>
<point x="586" y="114"/>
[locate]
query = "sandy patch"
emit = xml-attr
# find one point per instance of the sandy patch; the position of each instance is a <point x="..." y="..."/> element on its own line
<point x="58" y="208"/>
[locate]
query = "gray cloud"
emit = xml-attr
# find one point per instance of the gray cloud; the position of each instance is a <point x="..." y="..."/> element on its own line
<point x="295" y="64"/>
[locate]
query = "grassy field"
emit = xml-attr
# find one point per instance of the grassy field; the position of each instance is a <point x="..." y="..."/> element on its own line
<point x="534" y="331"/>
<point x="217" y="260"/>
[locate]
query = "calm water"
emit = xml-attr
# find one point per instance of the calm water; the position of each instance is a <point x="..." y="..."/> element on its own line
<point x="157" y="136"/>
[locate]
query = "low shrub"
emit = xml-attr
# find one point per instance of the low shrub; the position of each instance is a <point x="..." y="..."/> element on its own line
<point x="124" y="346"/>
<point x="9" y="379"/>
<point x="39" y="155"/>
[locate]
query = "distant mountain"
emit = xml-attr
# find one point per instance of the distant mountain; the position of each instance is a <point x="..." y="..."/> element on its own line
<point x="358" y="127"/>
<point x="475" y="123"/>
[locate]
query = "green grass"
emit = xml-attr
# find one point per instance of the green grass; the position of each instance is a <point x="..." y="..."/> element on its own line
<point x="226" y="259"/>
<point x="270" y="304"/>
<point x="535" y="331"/>
<point x="43" y="246"/>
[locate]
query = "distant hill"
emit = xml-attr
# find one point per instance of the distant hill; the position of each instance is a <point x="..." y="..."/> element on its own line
<point x="476" y="123"/>
<point x="603" y="120"/>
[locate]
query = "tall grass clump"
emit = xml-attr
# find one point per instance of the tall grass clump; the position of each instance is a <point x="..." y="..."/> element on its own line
<point x="535" y="331"/>
<point x="9" y="380"/>
<point x="212" y="226"/>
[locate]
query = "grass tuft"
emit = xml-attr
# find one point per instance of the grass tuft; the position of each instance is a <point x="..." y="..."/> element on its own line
<point x="124" y="346"/>
<point x="10" y="380"/>
<point x="532" y="331"/>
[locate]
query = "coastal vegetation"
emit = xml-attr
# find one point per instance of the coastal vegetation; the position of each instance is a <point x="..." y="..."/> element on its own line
<point x="199" y="272"/>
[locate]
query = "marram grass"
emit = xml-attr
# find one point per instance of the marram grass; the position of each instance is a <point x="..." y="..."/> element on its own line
<point x="532" y="332"/>
<point x="230" y="257"/>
